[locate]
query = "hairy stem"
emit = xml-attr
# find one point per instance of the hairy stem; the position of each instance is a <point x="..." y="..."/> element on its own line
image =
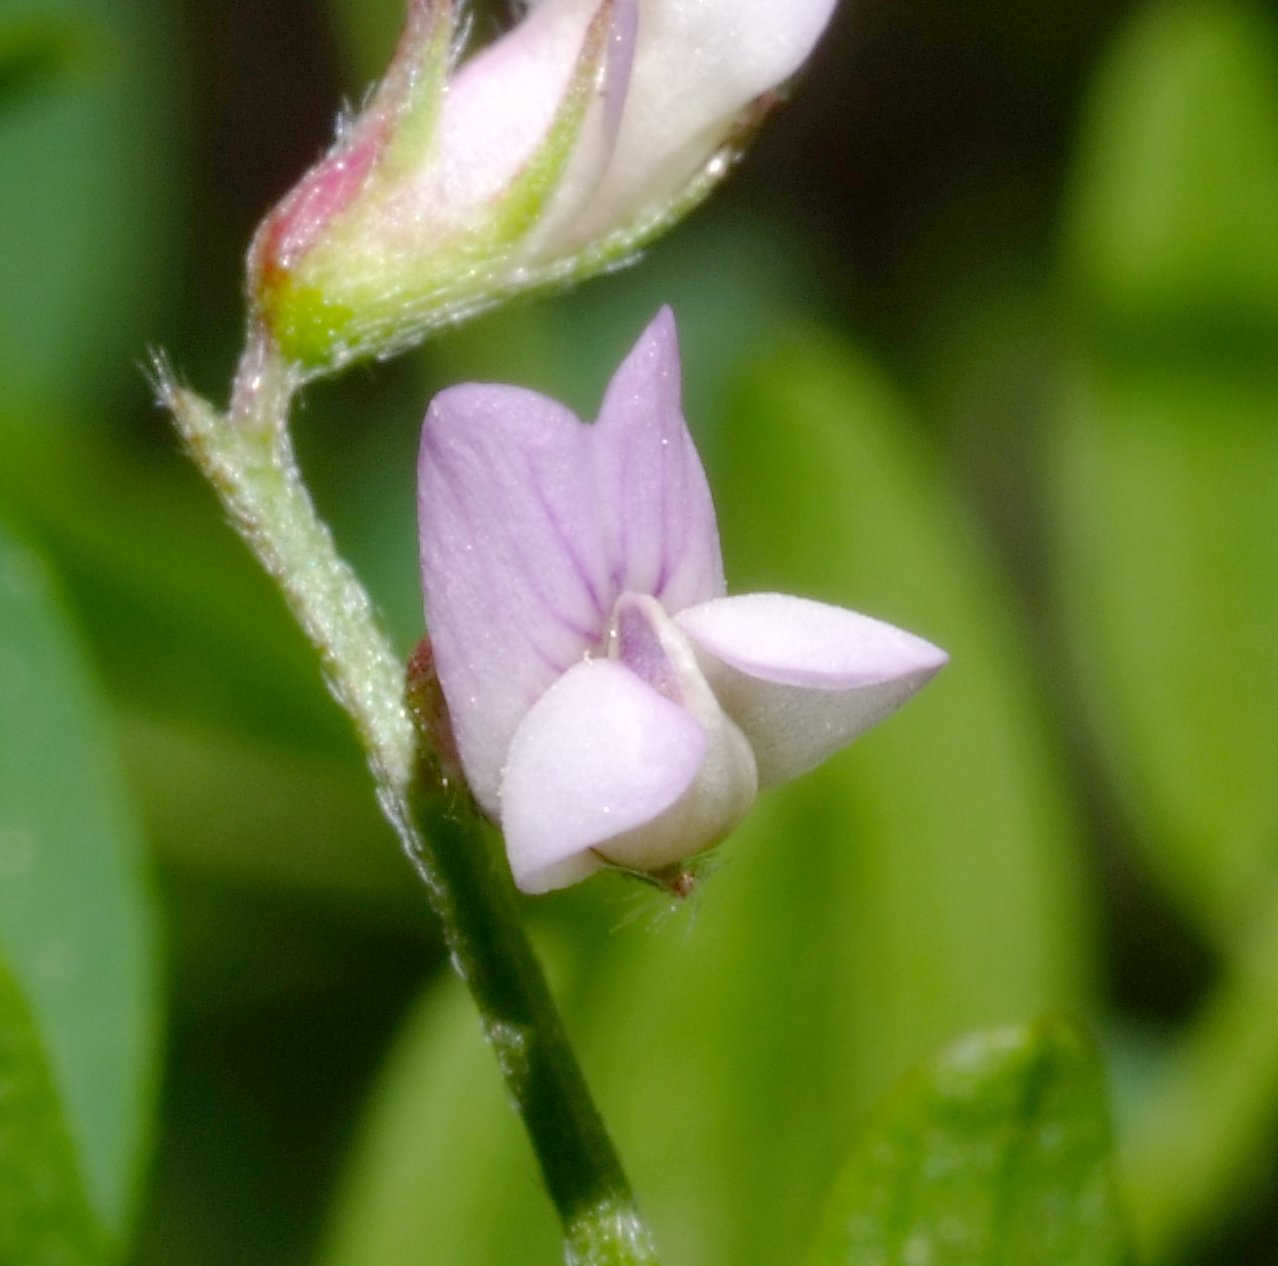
<point x="248" y="458"/>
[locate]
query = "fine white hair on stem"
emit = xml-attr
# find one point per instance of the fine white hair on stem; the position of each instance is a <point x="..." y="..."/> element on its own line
<point x="162" y="378"/>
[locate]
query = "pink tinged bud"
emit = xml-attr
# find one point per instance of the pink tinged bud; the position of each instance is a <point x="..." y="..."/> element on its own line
<point x="333" y="184"/>
<point x="294" y="226"/>
<point x="553" y="153"/>
<point x="611" y="706"/>
<point x="290" y="250"/>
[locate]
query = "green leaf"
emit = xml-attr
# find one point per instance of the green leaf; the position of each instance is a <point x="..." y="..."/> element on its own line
<point x="75" y="923"/>
<point x="44" y="1216"/>
<point x="1168" y="456"/>
<point x="164" y="586"/>
<point x="268" y="816"/>
<point x="240" y="762"/>
<point x="1169" y="528"/>
<point x="569" y="347"/>
<point x="996" y="1153"/>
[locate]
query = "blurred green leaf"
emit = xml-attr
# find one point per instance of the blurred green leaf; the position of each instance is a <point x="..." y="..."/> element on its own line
<point x="1174" y="228"/>
<point x="267" y="815"/>
<point x="83" y="247"/>
<point x="919" y="885"/>
<point x="964" y="892"/>
<point x="1198" y="1139"/>
<point x="997" y="1151"/>
<point x="44" y="1216"/>
<point x="1170" y="531"/>
<point x="185" y="622"/>
<point x="31" y="52"/>
<point x="75" y="922"/>
<point x="1168" y="458"/>
<point x="570" y="345"/>
<point x="242" y="763"/>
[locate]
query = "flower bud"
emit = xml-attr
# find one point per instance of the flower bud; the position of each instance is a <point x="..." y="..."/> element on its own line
<point x="548" y="156"/>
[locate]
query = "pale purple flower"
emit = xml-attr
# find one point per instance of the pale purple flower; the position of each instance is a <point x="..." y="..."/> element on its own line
<point x="611" y="706"/>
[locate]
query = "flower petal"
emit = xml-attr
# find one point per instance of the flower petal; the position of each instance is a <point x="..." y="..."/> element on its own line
<point x="802" y="678"/>
<point x="600" y="754"/>
<point x="647" y="641"/>
<point x="596" y="133"/>
<point x="500" y="104"/>
<point x="662" y="536"/>
<point x="698" y="65"/>
<point x="513" y="565"/>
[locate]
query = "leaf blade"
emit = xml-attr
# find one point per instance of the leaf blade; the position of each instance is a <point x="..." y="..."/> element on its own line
<point x="44" y="1214"/>
<point x="75" y="921"/>
<point x="1166" y="455"/>
<point x="997" y="1152"/>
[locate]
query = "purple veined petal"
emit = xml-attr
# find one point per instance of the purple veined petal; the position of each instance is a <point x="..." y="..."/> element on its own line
<point x="803" y="679"/>
<point x="599" y="755"/>
<point x="698" y="65"/>
<point x="500" y="104"/>
<point x="513" y="566"/>
<point x="663" y="539"/>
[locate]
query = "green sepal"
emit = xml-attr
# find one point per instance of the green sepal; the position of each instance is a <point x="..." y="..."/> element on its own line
<point x="523" y="204"/>
<point x="412" y="93"/>
<point x="309" y="328"/>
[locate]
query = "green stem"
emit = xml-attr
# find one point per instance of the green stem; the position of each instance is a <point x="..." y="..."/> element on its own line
<point x="248" y="458"/>
<point x="495" y="958"/>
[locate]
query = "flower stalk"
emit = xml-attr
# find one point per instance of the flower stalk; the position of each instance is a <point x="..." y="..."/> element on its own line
<point x="555" y="153"/>
<point x="247" y="456"/>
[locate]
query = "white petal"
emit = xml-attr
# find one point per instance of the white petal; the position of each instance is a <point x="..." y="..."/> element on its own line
<point x="802" y="679"/>
<point x="651" y="645"/>
<point x="598" y="755"/>
<point x="597" y="135"/>
<point x="698" y="64"/>
<point x="499" y="106"/>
